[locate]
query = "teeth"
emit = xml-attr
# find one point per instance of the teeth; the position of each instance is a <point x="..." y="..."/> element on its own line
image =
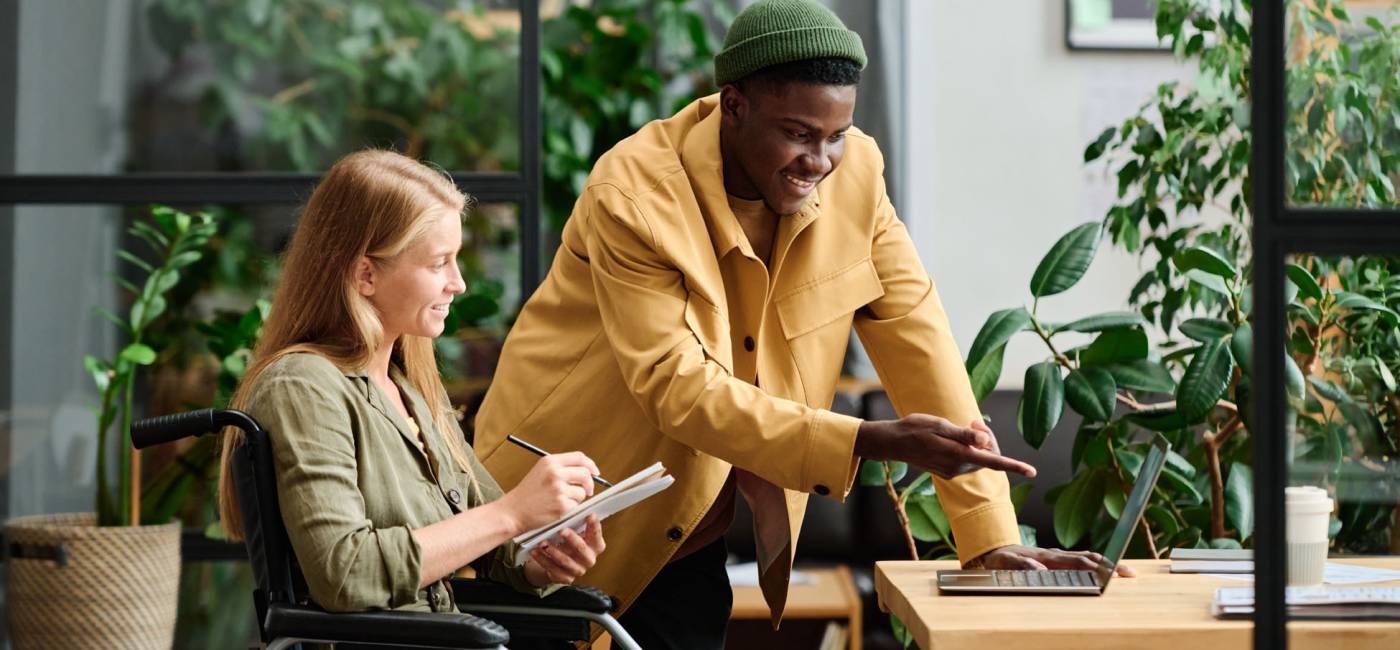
<point x="799" y="182"/>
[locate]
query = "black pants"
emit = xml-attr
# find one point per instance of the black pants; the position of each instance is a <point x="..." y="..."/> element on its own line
<point x="687" y="605"/>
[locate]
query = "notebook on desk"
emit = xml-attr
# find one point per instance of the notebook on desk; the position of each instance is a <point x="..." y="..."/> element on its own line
<point x="620" y="496"/>
<point x="1062" y="582"/>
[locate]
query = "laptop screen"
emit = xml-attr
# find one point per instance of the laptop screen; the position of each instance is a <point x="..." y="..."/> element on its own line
<point x="1132" y="511"/>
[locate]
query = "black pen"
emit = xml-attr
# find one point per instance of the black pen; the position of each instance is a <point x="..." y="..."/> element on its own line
<point x="596" y="479"/>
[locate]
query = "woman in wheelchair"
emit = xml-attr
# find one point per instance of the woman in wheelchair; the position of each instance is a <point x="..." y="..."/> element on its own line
<point x="382" y="498"/>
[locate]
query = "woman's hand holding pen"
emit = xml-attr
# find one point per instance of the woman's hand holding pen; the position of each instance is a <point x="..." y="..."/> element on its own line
<point x="556" y="483"/>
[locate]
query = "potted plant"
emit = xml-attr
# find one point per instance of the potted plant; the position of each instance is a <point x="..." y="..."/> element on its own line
<point x="102" y="579"/>
<point x="1177" y="359"/>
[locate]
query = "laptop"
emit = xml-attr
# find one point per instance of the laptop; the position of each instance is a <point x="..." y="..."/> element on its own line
<point x="1068" y="582"/>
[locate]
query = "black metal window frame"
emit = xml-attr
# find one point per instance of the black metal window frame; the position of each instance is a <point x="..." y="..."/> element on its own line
<point x="1280" y="230"/>
<point x="522" y="189"/>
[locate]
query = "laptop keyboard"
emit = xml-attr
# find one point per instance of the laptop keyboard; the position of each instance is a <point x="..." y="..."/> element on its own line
<point x="1047" y="578"/>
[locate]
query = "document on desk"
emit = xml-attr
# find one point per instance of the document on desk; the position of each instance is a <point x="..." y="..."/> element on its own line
<point x="1335" y="573"/>
<point x="617" y="498"/>
<point x="1327" y="603"/>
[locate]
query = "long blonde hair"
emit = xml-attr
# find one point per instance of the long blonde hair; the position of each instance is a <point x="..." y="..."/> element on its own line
<point x="371" y="203"/>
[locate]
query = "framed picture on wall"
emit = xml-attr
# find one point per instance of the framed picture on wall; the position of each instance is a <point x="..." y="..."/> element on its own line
<point x="1112" y="25"/>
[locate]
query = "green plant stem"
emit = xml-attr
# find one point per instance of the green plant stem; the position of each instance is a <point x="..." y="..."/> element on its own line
<point x="1045" y="336"/>
<point x="1127" y="489"/>
<point x="909" y="489"/>
<point x="899" y="510"/>
<point x="105" y="506"/>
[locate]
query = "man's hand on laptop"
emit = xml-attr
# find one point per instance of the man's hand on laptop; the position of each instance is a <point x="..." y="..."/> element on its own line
<point x="1029" y="557"/>
<point x="936" y="445"/>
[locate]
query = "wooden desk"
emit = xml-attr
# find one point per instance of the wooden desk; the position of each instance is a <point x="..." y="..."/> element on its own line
<point x="1155" y="610"/>
<point x="832" y="596"/>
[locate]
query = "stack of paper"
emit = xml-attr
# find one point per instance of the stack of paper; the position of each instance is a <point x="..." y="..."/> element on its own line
<point x="1212" y="560"/>
<point x="834" y="638"/>
<point x="603" y="504"/>
<point x="1348" y="603"/>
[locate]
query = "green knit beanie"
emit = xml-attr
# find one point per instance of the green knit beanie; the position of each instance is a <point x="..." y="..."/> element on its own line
<point x="770" y="32"/>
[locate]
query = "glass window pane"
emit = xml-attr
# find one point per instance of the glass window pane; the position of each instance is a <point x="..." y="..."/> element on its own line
<point x="1342" y="131"/>
<point x="72" y="261"/>
<point x="175" y="86"/>
<point x="1344" y="354"/>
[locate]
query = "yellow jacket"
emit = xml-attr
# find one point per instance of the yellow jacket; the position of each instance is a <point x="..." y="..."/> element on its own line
<point x="637" y="348"/>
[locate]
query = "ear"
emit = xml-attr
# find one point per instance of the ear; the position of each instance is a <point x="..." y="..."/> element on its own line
<point x="364" y="275"/>
<point x="733" y="105"/>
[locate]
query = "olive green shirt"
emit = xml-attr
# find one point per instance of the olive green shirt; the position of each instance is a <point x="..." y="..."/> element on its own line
<point x="353" y="484"/>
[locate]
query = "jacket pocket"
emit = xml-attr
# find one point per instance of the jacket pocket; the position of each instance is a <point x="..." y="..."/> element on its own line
<point x="829" y="299"/>
<point x="711" y="326"/>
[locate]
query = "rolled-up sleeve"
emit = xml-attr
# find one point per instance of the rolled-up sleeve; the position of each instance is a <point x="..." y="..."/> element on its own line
<point x="910" y="343"/>
<point x="687" y="396"/>
<point x="349" y="564"/>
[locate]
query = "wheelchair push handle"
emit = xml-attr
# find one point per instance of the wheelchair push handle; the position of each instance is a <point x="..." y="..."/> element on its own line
<point x="148" y="432"/>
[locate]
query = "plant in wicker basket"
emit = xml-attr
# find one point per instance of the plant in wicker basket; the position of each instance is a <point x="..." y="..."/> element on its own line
<point x="101" y="580"/>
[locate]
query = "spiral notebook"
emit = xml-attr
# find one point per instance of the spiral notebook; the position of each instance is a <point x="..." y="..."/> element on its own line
<point x="617" y="498"/>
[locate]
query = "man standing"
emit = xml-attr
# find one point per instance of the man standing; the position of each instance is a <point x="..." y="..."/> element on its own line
<point x="698" y="312"/>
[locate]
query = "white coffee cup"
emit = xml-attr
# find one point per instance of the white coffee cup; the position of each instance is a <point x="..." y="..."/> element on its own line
<point x="1308" y="510"/>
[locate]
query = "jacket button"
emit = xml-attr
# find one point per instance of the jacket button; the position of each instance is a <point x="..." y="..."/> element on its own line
<point x="674" y="534"/>
<point x="748" y="343"/>
<point x="821" y="489"/>
<point x="454" y="496"/>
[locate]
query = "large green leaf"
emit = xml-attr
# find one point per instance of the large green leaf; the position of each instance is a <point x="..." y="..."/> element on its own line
<point x="1077" y="507"/>
<point x="1162" y="520"/>
<point x="1114" y="500"/>
<point x="984" y="359"/>
<point x="1129" y="460"/>
<point x="1206" y="329"/>
<point x="1142" y="374"/>
<point x="1368" y="428"/>
<point x="1115" y="345"/>
<point x="1357" y="302"/>
<point x="1205" y="380"/>
<point x="98" y="369"/>
<point x="1242" y="346"/>
<point x="139" y="354"/>
<point x="1042" y="402"/>
<point x="872" y="472"/>
<point x="985" y="375"/>
<point x="1239" y="500"/>
<point x="1096" y="148"/>
<point x="1105" y="321"/>
<point x="1067" y="260"/>
<point x="1205" y="259"/>
<point x="1182" y="485"/>
<point x="1306" y="283"/>
<point x="1212" y="282"/>
<point x="998" y="329"/>
<point x="1180" y="464"/>
<point x="1018" y="495"/>
<point x="1292" y="376"/>
<point x="1091" y="392"/>
<point x="927" y="521"/>
<point x="1329" y="390"/>
<point x="1159" y="419"/>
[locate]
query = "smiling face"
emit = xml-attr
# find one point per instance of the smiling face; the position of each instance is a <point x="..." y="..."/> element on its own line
<point x="413" y="291"/>
<point x="780" y="140"/>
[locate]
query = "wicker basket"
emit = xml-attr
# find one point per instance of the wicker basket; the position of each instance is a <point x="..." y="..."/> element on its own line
<point x="71" y="584"/>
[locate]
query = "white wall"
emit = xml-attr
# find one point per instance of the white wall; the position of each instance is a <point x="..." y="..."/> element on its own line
<point x="999" y="114"/>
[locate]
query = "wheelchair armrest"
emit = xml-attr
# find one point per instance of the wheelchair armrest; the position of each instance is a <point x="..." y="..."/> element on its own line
<point x="487" y="592"/>
<point x="429" y="629"/>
